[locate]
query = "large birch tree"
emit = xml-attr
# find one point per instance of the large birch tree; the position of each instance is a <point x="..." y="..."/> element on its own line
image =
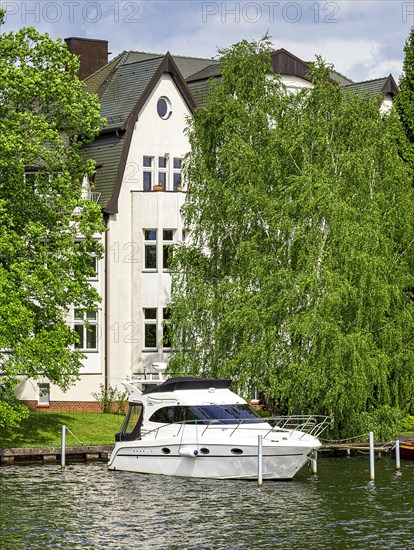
<point x="47" y="229"/>
<point x="301" y="256"/>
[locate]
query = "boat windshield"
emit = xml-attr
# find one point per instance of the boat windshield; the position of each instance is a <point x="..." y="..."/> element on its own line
<point x="205" y="414"/>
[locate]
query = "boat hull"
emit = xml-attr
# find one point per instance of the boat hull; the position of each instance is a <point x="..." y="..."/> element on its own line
<point x="220" y="463"/>
<point x="407" y="450"/>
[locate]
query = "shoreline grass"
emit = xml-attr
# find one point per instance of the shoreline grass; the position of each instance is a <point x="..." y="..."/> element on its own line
<point x="44" y="429"/>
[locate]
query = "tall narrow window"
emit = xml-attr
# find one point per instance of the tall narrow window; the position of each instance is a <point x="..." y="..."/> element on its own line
<point x="177" y="184"/>
<point x="30" y="179"/>
<point x="148" y="169"/>
<point x="94" y="266"/>
<point x="43" y="393"/>
<point x="92" y="260"/>
<point x="162" y="172"/>
<point x="150" y="247"/>
<point x="166" y="338"/>
<point x="150" y="327"/>
<point x="167" y="237"/>
<point x="86" y="325"/>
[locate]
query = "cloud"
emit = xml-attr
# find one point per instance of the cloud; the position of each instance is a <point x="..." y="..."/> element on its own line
<point x="363" y="39"/>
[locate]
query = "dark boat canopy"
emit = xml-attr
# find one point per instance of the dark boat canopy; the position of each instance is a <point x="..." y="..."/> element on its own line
<point x="188" y="383"/>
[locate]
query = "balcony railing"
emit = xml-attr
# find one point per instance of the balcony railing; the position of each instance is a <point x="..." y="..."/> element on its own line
<point x="92" y="196"/>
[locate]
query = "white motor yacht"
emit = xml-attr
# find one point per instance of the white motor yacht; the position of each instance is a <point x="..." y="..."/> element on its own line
<point x="199" y="428"/>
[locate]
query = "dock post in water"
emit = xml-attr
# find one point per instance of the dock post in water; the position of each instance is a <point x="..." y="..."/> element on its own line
<point x="63" y="458"/>
<point x="371" y="456"/>
<point x="314" y="463"/>
<point x="397" y="456"/>
<point x="260" y="461"/>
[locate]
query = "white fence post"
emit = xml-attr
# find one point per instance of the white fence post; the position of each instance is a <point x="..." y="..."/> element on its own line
<point x="397" y="456"/>
<point x="63" y="458"/>
<point x="260" y="461"/>
<point x="371" y="456"/>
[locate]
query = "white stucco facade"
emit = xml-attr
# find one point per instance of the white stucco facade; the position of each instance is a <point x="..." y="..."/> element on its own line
<point x="133" y="286"/>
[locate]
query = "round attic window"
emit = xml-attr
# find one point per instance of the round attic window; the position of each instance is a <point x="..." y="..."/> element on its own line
<point x="164" y="109"/>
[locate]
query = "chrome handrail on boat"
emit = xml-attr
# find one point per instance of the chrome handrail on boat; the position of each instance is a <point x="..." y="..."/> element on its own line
<point x="308" y="424"/>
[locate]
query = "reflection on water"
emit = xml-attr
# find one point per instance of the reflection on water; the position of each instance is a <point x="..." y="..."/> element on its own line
<point x="86" y="506"/>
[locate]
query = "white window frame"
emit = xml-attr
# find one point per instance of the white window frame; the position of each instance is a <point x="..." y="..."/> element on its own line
<point x="163" y="170"/>
<point x="87" y="324"/>
<point x="43" y="394"/>
<point x="165" y="327"/>
<point x="96" y="264"/>
<point x="148" y="321"/>
<point x="150" y="170"/>
<point x="147" y="244"/>
<point x="95" y="267"/>
<point x="177" y="171"/>
<point x="167" y="243"/>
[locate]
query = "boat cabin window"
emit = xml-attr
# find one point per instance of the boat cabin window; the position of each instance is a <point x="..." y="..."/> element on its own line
<point x="221" y="414"/>
<point x="131" y="427"/>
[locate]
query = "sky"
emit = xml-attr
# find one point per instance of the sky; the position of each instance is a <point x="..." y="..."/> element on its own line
<point x="363" y="39"/>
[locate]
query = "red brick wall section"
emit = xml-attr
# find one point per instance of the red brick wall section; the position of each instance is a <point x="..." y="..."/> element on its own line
<point x="64" y="406"/>
<point x="72" y="406"/>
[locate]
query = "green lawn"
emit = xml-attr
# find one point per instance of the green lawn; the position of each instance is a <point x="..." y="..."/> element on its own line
<point x="45" y="429"/>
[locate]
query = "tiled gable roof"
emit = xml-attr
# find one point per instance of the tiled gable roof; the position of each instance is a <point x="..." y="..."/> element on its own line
<point x="125" y="88"/>
<point x="213" y="70"/>
<point x="97" y="79"/>
<point x="106" y="151"/>
<point x="374" y="87"/>
<point x="201" y="88"/>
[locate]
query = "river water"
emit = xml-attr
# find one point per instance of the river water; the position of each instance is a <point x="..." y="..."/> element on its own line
<point x="86" y="506"/>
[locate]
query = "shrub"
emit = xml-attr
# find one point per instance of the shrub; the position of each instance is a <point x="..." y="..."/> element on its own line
<point x="112" y="399"/>
<point x="407" y="424"/>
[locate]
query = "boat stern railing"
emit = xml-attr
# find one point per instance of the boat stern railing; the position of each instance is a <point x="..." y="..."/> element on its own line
<point x="312" y="425"/>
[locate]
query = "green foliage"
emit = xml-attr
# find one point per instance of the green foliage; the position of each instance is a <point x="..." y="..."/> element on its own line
<point x="405" y="99"/>
<point x="112" y="399"/>
<point x="385" y="421"/>
<point x="407" y="424"/>
<point x="45" y="117"/>
<point x="11" y="411"/>
<point x="296" y="277"/>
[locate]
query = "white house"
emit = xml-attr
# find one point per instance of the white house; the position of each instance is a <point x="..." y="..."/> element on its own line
<point x="146" y="99"/>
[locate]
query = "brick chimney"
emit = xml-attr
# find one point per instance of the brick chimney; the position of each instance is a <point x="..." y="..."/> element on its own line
<point x="93" y="54"/>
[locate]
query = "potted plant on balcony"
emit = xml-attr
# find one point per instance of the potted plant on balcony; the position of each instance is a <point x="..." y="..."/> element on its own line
<point x="157" y="187"/>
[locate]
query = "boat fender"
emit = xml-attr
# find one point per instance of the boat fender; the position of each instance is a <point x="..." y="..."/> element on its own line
<point x="189" y="452"/>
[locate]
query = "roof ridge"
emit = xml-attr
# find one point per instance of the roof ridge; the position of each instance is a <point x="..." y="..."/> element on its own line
<point x="176" y="55"/>
<point x="366" y="81"/>
<point x="161" y="56"/>
<point x="194" y="77"/>
<point x="104" y="66"/>
<point x="343" y="76"/>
